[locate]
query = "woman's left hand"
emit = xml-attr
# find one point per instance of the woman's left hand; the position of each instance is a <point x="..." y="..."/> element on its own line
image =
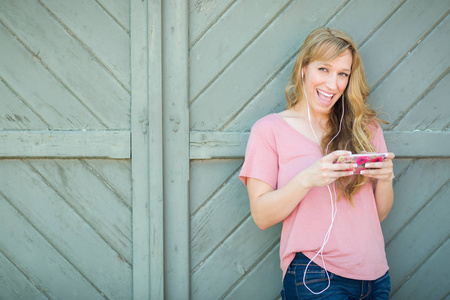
<point x="383" y="171"/>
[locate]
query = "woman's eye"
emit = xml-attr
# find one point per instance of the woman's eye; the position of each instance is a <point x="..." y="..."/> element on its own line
<point x="344" y="74"/>
<point x="323" y="69"/>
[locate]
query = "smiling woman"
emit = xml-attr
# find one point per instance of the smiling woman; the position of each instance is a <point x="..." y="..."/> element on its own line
<point x="325" y="83"/>
<point x="291" y="176"/>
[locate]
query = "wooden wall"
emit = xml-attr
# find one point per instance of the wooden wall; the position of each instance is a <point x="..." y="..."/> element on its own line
<point x="240" y="61"/>
<point x="123" y="126"/>
<point x="65" y="187"/>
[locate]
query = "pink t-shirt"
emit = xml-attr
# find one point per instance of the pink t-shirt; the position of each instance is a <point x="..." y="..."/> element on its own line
<point x="276" y="152"/>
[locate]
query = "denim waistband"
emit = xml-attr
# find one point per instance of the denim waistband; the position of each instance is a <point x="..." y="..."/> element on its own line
<point x="300" y="257"/>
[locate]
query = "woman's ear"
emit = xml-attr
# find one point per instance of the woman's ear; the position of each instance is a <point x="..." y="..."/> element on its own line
<point x="303" y="71"/>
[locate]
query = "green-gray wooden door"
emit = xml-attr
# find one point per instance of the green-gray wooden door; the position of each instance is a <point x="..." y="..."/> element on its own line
<point x="241" y="55"/>
<point x="65" y="172"/>
<point x="81" y="148"/>
<point x="96" y="99"/>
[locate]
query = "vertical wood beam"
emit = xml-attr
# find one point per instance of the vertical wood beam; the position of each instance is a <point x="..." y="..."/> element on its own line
<point x="160" y="149"/>
<point x="147" y="153"/>
<point x="155" y="116"/>
<point x="176" y="149"/>
<point x="140" y="150"/>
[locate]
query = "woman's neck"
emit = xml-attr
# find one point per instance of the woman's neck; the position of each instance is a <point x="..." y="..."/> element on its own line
<point x="301" y="109"/>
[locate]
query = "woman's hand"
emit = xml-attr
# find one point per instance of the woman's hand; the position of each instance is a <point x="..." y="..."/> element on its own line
<point x="384" y="193"/>
<point x="324" y="171"/>
<point x="383" y="171"/>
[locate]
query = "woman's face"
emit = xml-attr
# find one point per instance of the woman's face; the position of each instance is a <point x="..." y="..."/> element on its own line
<point x="324" y="82"/>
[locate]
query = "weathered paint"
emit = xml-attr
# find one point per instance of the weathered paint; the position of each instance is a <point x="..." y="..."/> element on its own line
<point x="69" y="219"/>
<point x="66" y="220"/>
<point x="146" y="124"/>
<point x="68" y="144"/>
<point x="164" y="215"/>
<point x="51" y="103"/>
<point x="406" y="67"/>
<point x="62" y="55"/>
<point x="175" y="121"/>
<point x="217" y="47"/>
<point x="251" y="71"/>
<point x="224" y="144"/>
<point x="85" y="18"/>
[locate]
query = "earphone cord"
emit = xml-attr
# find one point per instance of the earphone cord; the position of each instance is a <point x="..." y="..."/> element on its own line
<point x="333" y="202"/>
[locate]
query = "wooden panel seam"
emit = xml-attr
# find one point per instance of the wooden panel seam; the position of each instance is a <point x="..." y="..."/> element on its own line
<point x="209" y="145"/>
<point x="203" y="145"/>
<point x="65" y="144"/>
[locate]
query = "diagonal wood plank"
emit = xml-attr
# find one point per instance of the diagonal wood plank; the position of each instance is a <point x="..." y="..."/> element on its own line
<point x="236" y="29"/>
<point x="49" y="99"/>
<point x="433" y="224"/>
<point x="65" y="230"/>
<point x="119" y="10"/>
<point x="15" y="285"/>
<point x="39" y="260"/>
<point x="409" y="201"/>
<point x="116" y="174"/>
<point x="393" y="41"/>
<point x="405" y="85"/>
<point x="15" y="114"/>
<point x="89" y="196"/>
<point x="206" y="177"/>
<point x="270" y="99"/>
<point x="98" y="32"/>
<point x="68" y="61"/>
<point x="400" y="165"/>
<point x="431" y="280"/>
<point x="203" y="14"/>
<point x="432" y="112"/>
<point x="268" y="272"/>
<point x="234" y="257"/>
<point x="217" y="218"/>
<point x="367" y="14"/>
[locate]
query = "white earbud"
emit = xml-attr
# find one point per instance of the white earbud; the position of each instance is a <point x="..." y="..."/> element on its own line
<point x="303" y="75"/>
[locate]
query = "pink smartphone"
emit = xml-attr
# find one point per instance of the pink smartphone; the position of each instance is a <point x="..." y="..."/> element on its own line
<point x="361" y="160"/>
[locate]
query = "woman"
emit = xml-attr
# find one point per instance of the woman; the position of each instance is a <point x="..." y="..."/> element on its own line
<point x="331" y="242"/>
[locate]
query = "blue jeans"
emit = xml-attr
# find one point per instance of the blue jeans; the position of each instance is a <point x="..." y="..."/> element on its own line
<point x="341" y="288"/>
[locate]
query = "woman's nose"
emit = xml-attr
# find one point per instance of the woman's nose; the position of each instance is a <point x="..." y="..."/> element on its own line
<point x="332" y="82"/>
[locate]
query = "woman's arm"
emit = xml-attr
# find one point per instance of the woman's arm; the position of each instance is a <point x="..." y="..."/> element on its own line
<point x="384" y="197"/>
<point x="269" y="207"/>
<point x="384" y="192"/>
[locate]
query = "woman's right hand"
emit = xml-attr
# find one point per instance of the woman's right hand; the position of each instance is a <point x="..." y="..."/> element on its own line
<point x="324" y="171"/>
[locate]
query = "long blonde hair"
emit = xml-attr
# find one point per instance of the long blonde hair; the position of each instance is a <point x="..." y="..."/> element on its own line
<point x="359" y="121"/>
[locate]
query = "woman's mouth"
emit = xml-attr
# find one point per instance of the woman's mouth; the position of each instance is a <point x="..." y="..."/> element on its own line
<point x="324" y="97"/>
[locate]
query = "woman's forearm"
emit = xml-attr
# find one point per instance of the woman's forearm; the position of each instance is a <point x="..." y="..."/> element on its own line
<point x="384" y="198"/>
<point x="274" y="206"/>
